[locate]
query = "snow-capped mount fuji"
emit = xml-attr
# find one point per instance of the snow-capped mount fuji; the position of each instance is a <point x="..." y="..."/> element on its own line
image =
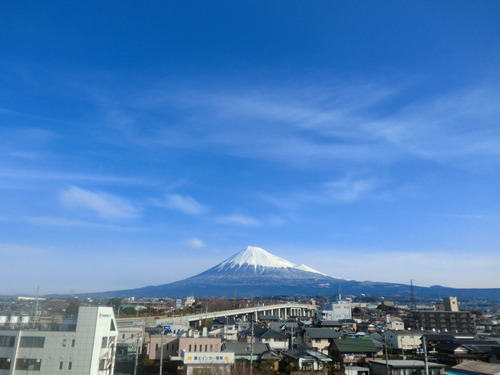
<point x="255" y="260"/>
<point x="255" y="272"/>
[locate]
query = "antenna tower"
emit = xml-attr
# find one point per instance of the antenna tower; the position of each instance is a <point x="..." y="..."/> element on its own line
<point x="413" y="304"/>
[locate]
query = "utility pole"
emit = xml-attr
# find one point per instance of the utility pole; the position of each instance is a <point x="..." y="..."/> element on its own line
<point x="136" y="355"/>
<point x="424" y="344"/>
<point x="386" y="354"/>
<point x="161" y="351"/>
<point x="251" y="347"/>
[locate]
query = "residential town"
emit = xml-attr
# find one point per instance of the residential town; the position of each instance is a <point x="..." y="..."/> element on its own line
<point x="283" y="335"/>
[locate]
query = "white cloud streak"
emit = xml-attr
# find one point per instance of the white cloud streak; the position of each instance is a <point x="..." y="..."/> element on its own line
<point x="238" y="219"/>
<point x="105" y="205"/>
<point x="183" y="203"/>
<point x="195" y="243"/>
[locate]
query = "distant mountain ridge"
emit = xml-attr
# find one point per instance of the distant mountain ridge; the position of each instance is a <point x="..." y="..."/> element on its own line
<point x="255" y="272"/>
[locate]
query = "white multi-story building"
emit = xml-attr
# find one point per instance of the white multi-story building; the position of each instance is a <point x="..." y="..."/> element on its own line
<point x="82" y="346"/>
<point x="340" y="310"/>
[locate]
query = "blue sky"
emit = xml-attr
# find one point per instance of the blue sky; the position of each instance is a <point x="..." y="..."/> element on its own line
<point x="144" y="142"/>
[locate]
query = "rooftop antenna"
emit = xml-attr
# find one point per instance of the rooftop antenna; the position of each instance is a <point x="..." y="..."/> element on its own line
<point x="413" y="305"/>
<point x="36" y="302"/>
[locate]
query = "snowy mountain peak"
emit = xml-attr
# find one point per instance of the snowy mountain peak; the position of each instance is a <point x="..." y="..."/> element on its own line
<point x="303" y="267"/>
<point x="255" y="256"/>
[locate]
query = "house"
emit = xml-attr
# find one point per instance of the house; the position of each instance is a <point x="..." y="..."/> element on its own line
<point x="255" y="352"/>
<point x="394" y="323"/>
<point x="348" y="324"/>
<point x="225" y="328"/>
<point x="403" y="339"/>
<point x="459" y="351"/>
<point x="174" y="346"/>
<point x="475" y="368"/>
<point x="333" y="324"/>
<point x="347" y="352"/>
<point x="433" y="339"/>
<point x="405" y="367"/>
<point x="305" y="358"/>
<point x="356" y="370"/>
<point x="276" y="340"/>
<point x="320" y="338"/>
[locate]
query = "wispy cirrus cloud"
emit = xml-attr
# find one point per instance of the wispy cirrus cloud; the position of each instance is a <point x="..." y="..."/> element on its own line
<point x="183" y="203"/>
<point x="64" y="222"/>
<point x="364" y="123"/>
<point x="104" y="205"/>
<point x="238" y="219"/>
<point x="27" y="174"/>
<point x="344" y="190"/>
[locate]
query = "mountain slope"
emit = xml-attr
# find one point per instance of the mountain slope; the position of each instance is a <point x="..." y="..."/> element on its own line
<point x="255" y="272"/>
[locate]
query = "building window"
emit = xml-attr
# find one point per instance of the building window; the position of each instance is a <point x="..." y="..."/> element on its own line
<point x="73" y="343"/>
<point x="189" y="348"/>
<point x="61" y="364"/>
<point x="7" y="341"/>
<point x="28" y="364"/>
<point x="4" y="363"/>
<point x="32" y="342"/>
<point x="104" y="343"/>
<point x="123" y="336"/>
<point x="64" y="343"/>
<point x="70" y="365"/>
<point x="102" y="364"/>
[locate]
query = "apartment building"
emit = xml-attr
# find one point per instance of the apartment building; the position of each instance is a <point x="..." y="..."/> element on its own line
<point x="82" y="346"/>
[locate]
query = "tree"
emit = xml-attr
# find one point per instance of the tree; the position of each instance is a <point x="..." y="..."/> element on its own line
<point x="115" y="304"/>
<point x="72" y="309"/>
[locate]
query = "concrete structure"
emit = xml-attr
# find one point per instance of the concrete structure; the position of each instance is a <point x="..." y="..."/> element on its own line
<point x="340" y="310"/>
<point x="174" y="346"/>
<point x="450" y="304"/>
<point x="82" y="346"/>
<point x="404" y="367"/>
<point x="451" y="322"/>
<point x="128" y="342"/>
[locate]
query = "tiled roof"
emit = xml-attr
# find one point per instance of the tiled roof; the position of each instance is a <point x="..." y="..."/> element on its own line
<point x="355" y="346"/>
<point x="323" y="333"/>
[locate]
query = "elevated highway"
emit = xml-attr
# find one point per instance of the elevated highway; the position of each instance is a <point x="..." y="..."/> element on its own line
<point x="283" y="311"/>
